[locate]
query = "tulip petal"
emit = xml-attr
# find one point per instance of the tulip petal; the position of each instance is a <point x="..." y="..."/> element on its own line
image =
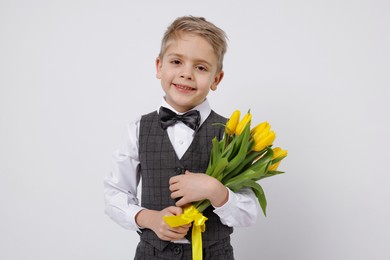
<point x="232" y="123"/>
<point x="245" y="121"/>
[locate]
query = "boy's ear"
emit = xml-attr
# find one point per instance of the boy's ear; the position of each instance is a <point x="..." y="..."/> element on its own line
<point x="217" y="79"/>
<point x="158" y="67"/>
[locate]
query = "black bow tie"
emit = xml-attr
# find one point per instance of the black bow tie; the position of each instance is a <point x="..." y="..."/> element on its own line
<point x="168" y="118"/>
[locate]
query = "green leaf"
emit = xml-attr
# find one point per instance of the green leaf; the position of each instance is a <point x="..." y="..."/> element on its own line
<point x="219" y="167"/>
<point x="215" y="156"/>
<point x="270" y="174"/>
<point x="236" y="143"/>
<point x="219" y="124"/>
<point x="249" y="174"/>
<point x="266" y="159"/>
<point x="258" y="190"/>
<point x="230" y="141"/>
<point x="244" y="165"/>
<point x="254" y="172"/>
<point x="243" y="150"/>
<point x="226" y="148"/>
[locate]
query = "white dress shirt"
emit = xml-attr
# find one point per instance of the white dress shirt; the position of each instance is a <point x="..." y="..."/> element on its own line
<point x="120" y="186"/>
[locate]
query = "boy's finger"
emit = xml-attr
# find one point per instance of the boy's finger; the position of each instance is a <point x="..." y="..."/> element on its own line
<point x="181" y="230"/>
<point x="187" y="226"/>
<point x="175" y="210"/>
<point x="174" y="179"/>
<point x="176" y="195"/>
<point x="181" y="202"/>
<point x="172" y="187"/>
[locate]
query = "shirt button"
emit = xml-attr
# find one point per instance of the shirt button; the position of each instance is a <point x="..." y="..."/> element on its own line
<point x="181" y="141"/>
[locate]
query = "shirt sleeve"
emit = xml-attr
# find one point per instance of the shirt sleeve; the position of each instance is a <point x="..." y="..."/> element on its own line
<point x="241" y="209"/>
<point x="120" y="186"/>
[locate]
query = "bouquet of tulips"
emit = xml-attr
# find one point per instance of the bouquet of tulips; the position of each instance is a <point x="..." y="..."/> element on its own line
<point x="243" y="157"/>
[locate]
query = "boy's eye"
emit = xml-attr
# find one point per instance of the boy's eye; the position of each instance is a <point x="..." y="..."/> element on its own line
<point x="201" y="68"/>
<point x="175" y="62"/>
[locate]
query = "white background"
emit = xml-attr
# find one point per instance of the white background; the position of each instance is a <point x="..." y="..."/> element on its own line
<point x="73" y="73"/>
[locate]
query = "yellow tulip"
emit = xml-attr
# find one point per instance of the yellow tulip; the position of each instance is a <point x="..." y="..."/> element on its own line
<point x="260" y="128"/>
<point x="274" y="167"/>
<point x="232" y="123"/>
<point x="262" y="136"/>
<point x="278" y="152"/>
<point x="245" y="120"/>
<point x="263" y="140"/>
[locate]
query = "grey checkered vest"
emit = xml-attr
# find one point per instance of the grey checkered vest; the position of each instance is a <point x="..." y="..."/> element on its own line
<point x="159" y="162"/>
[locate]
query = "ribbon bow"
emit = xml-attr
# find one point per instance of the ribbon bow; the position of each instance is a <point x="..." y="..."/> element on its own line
<point x="191" y="214"/>
<point x="168" y="118"/>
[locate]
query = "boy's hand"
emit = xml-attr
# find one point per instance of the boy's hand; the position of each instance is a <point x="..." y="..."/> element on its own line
<point x="153" y="220"/>
<point x="194" y="187"/>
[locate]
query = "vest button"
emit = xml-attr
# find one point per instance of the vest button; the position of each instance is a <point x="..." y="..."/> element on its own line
<point x="179" y="170"/>
<point x="177" y="250"/>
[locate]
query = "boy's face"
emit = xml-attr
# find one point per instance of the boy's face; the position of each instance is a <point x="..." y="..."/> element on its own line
<point x="188" y="70"/>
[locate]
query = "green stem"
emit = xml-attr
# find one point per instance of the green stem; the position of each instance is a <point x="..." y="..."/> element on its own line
<point x="227" y="138"/>
<point x="202" y="205"/>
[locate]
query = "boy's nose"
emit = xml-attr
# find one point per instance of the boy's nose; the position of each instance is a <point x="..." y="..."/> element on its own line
<point x="186" y="74"/>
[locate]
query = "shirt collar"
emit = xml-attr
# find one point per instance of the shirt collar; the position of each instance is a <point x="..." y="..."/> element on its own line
<point x="203" y="108"/>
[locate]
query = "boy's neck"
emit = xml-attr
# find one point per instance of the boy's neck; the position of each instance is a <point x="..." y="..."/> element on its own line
<point x="181" y="111"/>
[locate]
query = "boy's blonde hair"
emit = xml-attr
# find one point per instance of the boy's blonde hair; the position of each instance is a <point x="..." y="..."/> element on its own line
<point x="199" y="26"/>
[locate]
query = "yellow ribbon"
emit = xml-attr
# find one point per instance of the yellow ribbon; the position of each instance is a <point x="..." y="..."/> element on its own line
<point x="191" y="214"/>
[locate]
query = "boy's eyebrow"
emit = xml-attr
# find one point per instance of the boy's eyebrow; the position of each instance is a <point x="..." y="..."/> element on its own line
<point x="181" y="56"/>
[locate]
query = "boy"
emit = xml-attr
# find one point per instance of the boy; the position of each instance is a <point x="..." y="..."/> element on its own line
<point x="170" y="148"/>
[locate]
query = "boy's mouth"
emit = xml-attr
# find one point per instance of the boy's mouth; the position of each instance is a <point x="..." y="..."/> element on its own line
<point x="184" y="87"/>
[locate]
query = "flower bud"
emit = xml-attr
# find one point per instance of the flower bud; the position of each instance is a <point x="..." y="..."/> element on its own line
<point x="232" y="123"/>
<point x="245" y="120"/>
<point x="261" y="128"/>
<point x="263" y="140"/>
<point x="278" y="153"/>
